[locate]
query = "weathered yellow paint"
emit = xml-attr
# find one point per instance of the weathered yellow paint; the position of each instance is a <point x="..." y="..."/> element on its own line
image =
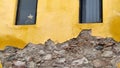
<point x="0" y="65"/>
<point x="57" y="20"/>
<point x="118" y="65"/>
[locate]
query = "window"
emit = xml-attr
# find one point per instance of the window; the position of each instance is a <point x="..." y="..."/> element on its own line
<point x="26" y="12"/>
<point x="90" y="11"/>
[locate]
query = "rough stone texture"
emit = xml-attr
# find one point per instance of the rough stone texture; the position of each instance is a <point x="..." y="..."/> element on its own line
<point x="85" y="51"/>
<point x="19" y="64"/>
<point x="107" y="54"/>
<point x="47" y="57"/>
<point x="80" y="61"/>
<point x="99" y="63"/>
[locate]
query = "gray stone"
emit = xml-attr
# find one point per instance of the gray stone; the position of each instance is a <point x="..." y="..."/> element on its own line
<point x="42" y="52"/>
<point x="107" y="54"/>
<point x="117" y="49"/>
<point x="66" y="67"/>
<point x="91" y="53"/>
<point x="10" y="49"/>
<point x="64" y="45"/>
<point x="31" y="65"/>
<point x="50" y="45"/>
<point x="1" y="55"/>
<point x="80" y="61"/>
<point x="19" y="64"/>
<point x="115" y="61"/>
<point x="47" y="57"/>
<point x="99" y="63"/>
<point x="109" y="66"/>
<point x="99" y="47"/>
<point x="61" y="52"/>
<point x="61" y="60"/>
<point x="28" y="58"/>
<point x="8" y="65"/>
<point x="87" y="67"/>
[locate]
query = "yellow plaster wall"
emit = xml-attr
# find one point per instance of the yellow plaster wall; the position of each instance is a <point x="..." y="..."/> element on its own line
<point x="0" y="65"/>
<point x="57" y="20"/>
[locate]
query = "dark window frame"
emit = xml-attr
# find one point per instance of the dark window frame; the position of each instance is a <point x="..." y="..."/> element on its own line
<point x="81" y="13"/>
<point x="18" y="10"/>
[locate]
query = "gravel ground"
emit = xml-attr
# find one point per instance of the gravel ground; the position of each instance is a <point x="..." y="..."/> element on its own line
<point x="85" y="51"/>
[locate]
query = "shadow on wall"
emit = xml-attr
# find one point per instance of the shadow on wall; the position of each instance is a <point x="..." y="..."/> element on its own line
<point x="115" y="27"/>
<point x="8" y="40"/>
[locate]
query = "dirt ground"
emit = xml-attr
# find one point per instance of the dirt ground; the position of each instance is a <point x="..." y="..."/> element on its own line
<point x="85" y="51"/>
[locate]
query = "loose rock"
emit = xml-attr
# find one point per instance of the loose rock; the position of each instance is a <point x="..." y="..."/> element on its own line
<point x="19" y="64"/>
<point x="107" y="54"/>
<point x="99" y="63"/>
<point x="47" y="57"/>
<point x="80" y="61"/>
<point x="61" y="60"/>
